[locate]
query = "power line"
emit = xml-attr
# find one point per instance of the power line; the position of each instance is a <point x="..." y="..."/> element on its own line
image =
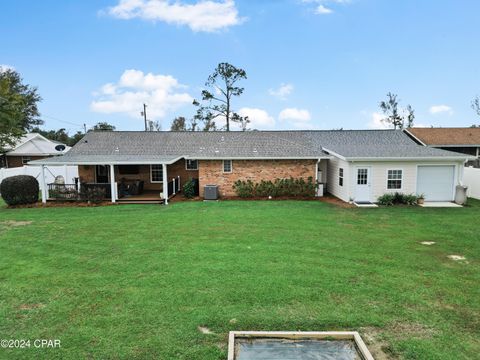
<point x="63" y="121"/>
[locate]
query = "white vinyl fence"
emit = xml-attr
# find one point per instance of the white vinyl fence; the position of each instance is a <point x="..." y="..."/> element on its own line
<point x="68" y="173"/>
<point x="471" y="178"/>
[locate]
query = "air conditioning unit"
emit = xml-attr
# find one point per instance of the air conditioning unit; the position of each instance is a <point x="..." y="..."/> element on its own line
<point x="211" y="192"/>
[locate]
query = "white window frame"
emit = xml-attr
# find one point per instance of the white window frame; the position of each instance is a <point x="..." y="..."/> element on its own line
<point x="231" y="167"/>
<point x="401" y="179"/>
<point x="26" y="160"/>
<point x="341" y="175"/>
<point x="186" y="164"/>
<point x="151" y="174"/>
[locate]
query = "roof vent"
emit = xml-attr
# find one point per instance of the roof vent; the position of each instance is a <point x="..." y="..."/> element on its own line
<point x="117" y="149"/>
<point x="223" y="139"/>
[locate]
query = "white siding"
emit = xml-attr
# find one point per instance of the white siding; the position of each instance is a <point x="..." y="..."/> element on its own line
<point x="379" y="170"/>
<point x="342" y="192"/>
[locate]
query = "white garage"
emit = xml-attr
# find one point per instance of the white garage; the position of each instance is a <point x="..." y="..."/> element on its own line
<point x="436" y="182"/>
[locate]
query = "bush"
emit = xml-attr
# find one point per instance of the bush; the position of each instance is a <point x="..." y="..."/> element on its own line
<point x="19" y="190"/>
<point x="189" y="189"/>
<point x="244" y="189"/>
<point x="280" y="187"/>
<point x="397" y="198"/>
<point x="94" y="194"/>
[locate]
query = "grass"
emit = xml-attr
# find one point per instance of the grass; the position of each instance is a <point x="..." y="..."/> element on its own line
<point x="136" y="282"/>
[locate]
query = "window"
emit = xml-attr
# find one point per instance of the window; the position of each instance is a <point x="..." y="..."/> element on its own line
<point x="362" y="176"/>
<point x="25" y="159"/>
<point x="156" y="173"/>
<point x="394" y="179"/>
<point x="340" y="176"/>
<point x="191" y="164"/>
<point x="227" y="166"/>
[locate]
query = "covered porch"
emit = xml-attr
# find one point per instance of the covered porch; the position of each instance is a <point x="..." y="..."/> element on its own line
<point x="155" y="181"/>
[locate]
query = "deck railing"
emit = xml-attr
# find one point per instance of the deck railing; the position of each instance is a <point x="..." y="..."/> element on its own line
<point x="106" y="187"/>
<point x="63" y="192"/>
<point x="174" y="186"/>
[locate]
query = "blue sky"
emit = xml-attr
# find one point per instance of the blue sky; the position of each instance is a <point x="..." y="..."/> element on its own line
<point x="311" y="63"/>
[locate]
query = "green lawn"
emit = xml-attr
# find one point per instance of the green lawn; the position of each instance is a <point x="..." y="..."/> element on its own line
<point x="136" y="281"/>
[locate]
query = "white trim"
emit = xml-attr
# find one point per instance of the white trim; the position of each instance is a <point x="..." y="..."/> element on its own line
<point x="341" y="177"/>
<point x="431" y="158"/>
<point x="165" y="183"/>
<point x="186" y="162"/>
<point x="112" y="183"/>
<point x="369" y="181"/>
<point x="41" y="162"/>
<point x="151" y="178"/>
<point x="334" y="153"/>
<point x="386" y="178"/>
<point x="459" y="145"/>
<point x="231" y="166"/>
<point x="415" y="137"/>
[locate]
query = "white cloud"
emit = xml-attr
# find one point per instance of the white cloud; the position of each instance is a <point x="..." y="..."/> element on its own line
<point x="162" y="94"/>
<point x="296" y="118"/>
<point x="323" y="6"/>
<point x="4" y="67"/>
<point x="377" y="123"/>
<point x="438" y="109"/>
<point x="203" y="15"/>
<point x="282" y="92"/>
<point x="323" y="10"/>
<point x="259" y="119"/>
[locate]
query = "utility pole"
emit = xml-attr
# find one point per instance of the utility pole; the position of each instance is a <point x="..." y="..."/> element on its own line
<point x="84" y="128"/>
<point x="144" y="113"/>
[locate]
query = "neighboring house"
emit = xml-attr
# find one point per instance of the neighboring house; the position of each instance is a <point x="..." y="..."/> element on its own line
<point x="357" y="165"/>
<point x="462" y="140"/>
<point x="29" y="147"/>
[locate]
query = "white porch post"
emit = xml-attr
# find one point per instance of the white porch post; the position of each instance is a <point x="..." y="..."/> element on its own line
<point x="44" y="185"/>
<point x="112" y="182"/>
<point x="173" y="179"/>
<point x="165" y="183"/>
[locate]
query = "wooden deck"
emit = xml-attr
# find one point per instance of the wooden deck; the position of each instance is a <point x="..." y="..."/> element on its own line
<point x="148" y="197"/>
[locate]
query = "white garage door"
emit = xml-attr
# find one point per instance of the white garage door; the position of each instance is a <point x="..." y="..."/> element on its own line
<point x="436" y="182"/>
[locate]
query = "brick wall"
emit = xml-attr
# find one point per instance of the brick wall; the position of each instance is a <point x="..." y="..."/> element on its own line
<point x="211" y="172"/>
<point x="16" y="161"/>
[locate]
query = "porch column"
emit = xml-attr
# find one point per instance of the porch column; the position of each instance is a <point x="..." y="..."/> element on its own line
<point x="44" y="185"/>
<point x="165" y="183"/>
<point x="112" y="182"/>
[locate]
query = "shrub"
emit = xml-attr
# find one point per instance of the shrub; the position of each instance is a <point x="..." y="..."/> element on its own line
<point x="397" y="198"/>
<point x="280" y="187"/>
<point x="189" y="189"/>
<point x="19" y="189"/>
<point x="244" y="189"/>
<point x="94" y="194"/>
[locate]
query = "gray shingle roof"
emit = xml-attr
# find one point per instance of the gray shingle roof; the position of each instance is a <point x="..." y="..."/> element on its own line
<point x="129" y="146"/>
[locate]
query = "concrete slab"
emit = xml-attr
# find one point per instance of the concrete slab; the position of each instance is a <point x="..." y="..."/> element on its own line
<point x="441" y="204"/>
<point x="366" y="205"/>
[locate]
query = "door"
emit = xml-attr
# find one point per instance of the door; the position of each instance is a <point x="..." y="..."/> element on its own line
<point x="436" y="182"/>
<point x="362" y="184"/>
<point x="101" y="174"/>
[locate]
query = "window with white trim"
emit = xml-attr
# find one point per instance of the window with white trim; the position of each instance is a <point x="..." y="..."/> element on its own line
<point x="156" y="173"/>
<point x="340" y="176"/>
<point x="191" y="164"/>
<point x="394" y="179"/>
<point x="227" y="166"/>
<point x="26" y="159"/>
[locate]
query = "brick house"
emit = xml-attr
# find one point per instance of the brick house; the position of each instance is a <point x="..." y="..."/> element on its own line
<point x="353" y="165"/>
<point x="30" y="147"/>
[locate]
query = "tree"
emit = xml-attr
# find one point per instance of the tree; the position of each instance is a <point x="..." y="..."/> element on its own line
<point x="103" y="126"/>
<point x="476" y="105"/>
<point x="60" y="135"/>
<point x="217" y="102"/>
<point x="18" y="107"/>
<point x="396" y="117"/>
<point x="154" y="126"/>
<point x="179" y="124"/>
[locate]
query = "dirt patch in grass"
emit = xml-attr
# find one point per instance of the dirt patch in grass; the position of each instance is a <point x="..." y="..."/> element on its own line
<point x="204" y="330"/>
<point x="15" y="223"/>
<point x="376" y="338"/>
<point x="59" y="204"/>
<point x="31" y="306"/>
